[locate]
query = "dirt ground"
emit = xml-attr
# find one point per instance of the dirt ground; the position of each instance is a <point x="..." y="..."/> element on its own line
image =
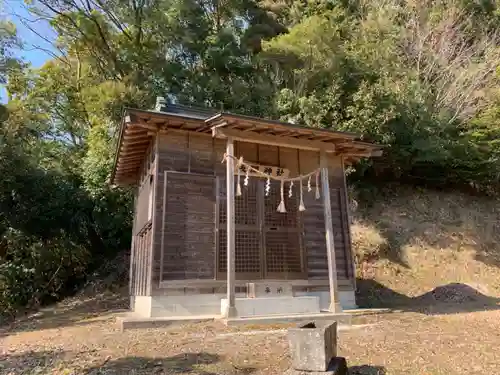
<point x="83" y="338"/>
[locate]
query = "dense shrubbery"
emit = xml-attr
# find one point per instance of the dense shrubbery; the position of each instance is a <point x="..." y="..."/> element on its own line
<point x="52" y="232"/>
<point x="419" y="77"/>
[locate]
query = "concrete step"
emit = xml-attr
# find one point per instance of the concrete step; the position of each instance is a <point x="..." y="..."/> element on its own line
<point x="132" y="321"/>
<point x="341" y="318"/>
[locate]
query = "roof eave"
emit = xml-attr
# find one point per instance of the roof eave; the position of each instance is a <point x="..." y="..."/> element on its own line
<point x="118" y="146"/>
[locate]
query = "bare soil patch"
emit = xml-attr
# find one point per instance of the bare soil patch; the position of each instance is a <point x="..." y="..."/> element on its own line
<point x="398" y="343"/>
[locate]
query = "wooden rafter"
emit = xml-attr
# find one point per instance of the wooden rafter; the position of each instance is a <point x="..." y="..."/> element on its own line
<point x="272" y="140"/>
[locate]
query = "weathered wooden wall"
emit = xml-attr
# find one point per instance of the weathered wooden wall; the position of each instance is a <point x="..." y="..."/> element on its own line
<point x="193" y="198"/>
<point x="184" y="208"/>
<point x="140" y="276"/>
<point x="141" y="248"/>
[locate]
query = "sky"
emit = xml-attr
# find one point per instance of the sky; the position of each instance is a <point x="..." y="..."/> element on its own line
<point x="35" y="34"/>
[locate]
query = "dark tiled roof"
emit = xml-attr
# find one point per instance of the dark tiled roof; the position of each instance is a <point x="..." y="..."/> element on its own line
<point x="201" y="113"/>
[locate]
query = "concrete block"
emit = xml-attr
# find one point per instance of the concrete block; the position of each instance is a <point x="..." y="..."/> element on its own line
<point x="186" y="305"/>
<point x="142" y="306"/>
<point x="346" y="297"/>
<point x="313" y="345"/>
<point x="250" y="307"/>
<point x="337" y="366"/>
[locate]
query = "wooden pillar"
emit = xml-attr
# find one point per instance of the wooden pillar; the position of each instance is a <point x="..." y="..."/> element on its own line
<point x="231" y="243"/>
<point x="330" y="241"/>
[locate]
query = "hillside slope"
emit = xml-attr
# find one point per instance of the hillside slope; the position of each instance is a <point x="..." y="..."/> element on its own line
<point x="409" y="242"/>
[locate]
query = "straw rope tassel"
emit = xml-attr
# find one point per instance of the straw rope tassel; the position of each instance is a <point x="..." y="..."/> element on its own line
<point x="317" y="185"/>
<point x="281" y="207"/>
<point x="301" y="205"/>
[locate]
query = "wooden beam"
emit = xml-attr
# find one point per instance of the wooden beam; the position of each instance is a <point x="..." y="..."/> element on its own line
<point x="129" y="161"/>
<point x="136" y="152"/>
<point x="218" y="126"/>
<point x="128" y="168"/>
<point x="330" y="240"/>
<point x="272" y="140"/>
<point x="127" y="171"/>
<point x="360" y="154"/>
<point x="130" y="141"/>
<point x="231" y="239"/>
<point x="127" y="145"/>
<point x="131" y="158"/>
<point x="145" y="124"/>
<point x="126" y="151"/>
<point x="126" y="177"/>
<point x="316" y="137"/>
<point x="134" y="130"/>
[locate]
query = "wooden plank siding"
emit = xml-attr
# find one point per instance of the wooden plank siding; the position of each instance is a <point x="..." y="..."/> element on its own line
<point x="142" y="257"/>
<point x="189" y="243"/>
<point x="173" y="155"/>
<point x="186" y="220"/>
<point x="141" y="247"/>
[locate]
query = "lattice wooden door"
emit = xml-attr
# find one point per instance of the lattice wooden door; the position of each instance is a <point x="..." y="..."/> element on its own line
<point x="248" y="233"/>
<point x="282" y="236"/>
<point x="268" y="243"/>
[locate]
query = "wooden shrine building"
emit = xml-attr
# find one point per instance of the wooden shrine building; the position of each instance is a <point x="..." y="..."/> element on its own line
<point x="208" y="238"/>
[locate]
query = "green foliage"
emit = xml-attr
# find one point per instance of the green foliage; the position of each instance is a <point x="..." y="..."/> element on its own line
<point x="8" y="41"/>
<point x="414" y="79"/>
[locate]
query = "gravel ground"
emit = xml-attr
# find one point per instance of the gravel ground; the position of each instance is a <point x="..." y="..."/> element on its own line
<point x="65" y="340"/>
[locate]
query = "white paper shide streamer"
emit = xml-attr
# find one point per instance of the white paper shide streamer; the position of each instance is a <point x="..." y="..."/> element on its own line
<point x="317" y="186"/>
<point x="247" y="175"/>
<point x="238" y="186"/>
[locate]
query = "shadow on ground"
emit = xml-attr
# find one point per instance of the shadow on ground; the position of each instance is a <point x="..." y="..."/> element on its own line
<point x="193" y="363"/>
<point x="367" y="370"/>
<point x="30" y="362"/>
<point x="91" y="364"/>
<point x="71" y="312"/>
<point x="445" y="299"/>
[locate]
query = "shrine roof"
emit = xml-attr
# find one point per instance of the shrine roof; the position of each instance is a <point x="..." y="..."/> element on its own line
<point x="139" y="126"/>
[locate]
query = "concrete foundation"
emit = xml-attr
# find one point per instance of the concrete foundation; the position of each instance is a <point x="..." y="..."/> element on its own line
<point x="249" y="307"/>
<point x="210" y="304"/>
<point x="347" y="299"/>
